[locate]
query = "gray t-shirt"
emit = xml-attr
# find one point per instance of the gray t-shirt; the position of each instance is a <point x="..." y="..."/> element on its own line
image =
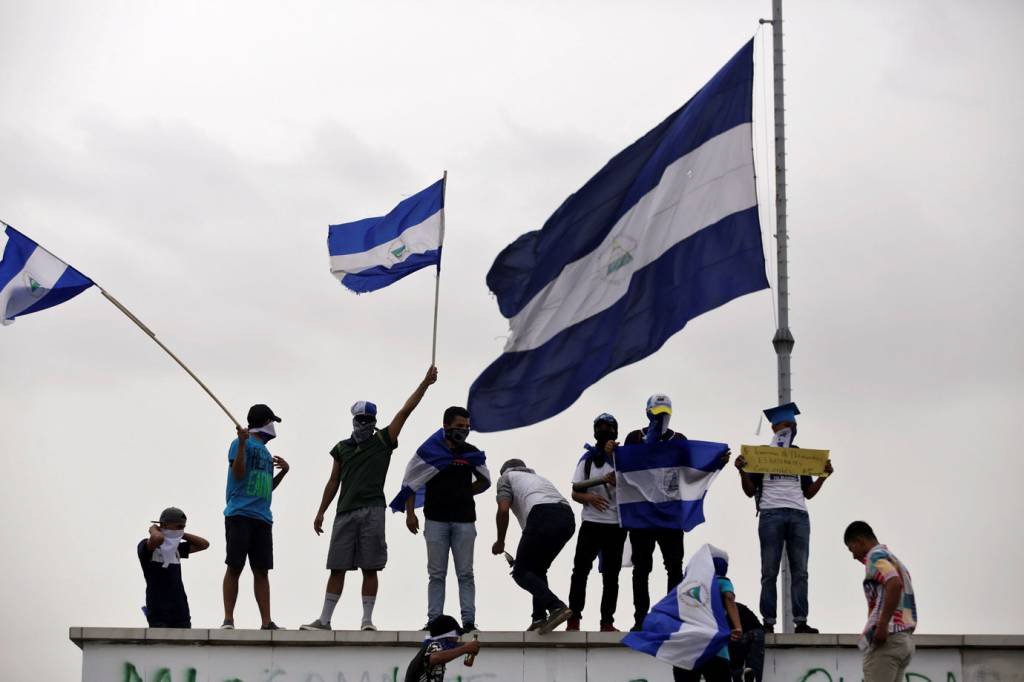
<point x="525" y="490"/>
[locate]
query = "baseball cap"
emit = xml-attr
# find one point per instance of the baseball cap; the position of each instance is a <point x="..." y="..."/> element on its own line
<point x="659" y="403"/>
<point x="260" y="415"/>
<point x="782" y="413"/>
<point x="171" y="515"/>
<point x="364" y="407"/>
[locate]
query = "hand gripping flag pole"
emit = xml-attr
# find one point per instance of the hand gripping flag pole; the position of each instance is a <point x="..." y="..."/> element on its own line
<point x="80" y="283"/>
<point x="437" y="277"/>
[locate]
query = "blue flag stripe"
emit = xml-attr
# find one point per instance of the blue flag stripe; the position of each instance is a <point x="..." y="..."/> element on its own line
<point x="684" y="515"/>
<point x="582" y="222"/>
<point x="710" y="268"/>
<point x="363" y="235"/>
<point x="703" y="455"/>
<point x="70" y="284"/>
<point x="381" y="276"/>
<point x="17" y="251"/>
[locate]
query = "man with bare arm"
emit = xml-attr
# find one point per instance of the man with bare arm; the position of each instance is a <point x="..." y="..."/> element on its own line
<point x="357" y="540"/>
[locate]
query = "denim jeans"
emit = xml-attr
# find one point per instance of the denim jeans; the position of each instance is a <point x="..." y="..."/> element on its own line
<point x="792" y="528"/>
<point x="458" y="538"/>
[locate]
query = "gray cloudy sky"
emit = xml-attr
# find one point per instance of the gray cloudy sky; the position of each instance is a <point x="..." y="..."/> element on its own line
<point x="189" y="156"/>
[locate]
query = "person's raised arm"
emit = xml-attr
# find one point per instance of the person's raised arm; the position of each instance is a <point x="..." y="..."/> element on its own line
<point x="814" y="487"/>
<point x="155" y="539"/>
<point x="238" y="463"/>
<point x="330" y="490"/>
<point x="197" y="543"/>
<point x="748" y="483"/>
<point x="395" y="427"/>
<point x="501" y="520"/>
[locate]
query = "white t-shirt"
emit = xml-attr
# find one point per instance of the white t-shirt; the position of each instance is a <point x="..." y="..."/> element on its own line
<point x="780" y="491"/>
<point x="590" y="513"/>
<point x="526" y="490"/>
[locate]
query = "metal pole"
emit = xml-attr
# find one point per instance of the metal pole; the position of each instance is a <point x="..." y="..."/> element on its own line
<point x="783" y="340"/>
<point x="437" y="276"/>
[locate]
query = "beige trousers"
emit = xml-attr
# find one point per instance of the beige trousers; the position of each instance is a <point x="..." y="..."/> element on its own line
<point x="888" y="662"/>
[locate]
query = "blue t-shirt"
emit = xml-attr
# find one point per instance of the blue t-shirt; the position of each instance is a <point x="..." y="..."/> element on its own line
<point x="724" y="585"/>
<point x="251" y="495"/>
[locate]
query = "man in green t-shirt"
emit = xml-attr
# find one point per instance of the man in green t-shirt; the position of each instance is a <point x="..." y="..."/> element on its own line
<point x="360" y="466"/>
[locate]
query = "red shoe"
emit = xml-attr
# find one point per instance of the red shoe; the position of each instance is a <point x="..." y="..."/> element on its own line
<point x="572" y="625"/>
<point x="608" y="627"/>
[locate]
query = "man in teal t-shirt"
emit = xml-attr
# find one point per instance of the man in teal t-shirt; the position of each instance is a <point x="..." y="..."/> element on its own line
<point x="247" y="518"/>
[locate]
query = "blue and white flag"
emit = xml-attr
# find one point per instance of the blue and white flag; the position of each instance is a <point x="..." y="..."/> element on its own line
<point x="33" y="279"/>
<point x="689" y="626"/>
<point x="662" y="485"/>
<point x="666" y="231"/>
<point x="430" y="459"/>
<point x="370" y="254"/>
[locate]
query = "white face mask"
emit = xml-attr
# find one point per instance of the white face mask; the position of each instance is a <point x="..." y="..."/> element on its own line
<point x="167" y="552"/>
<point x="175" y="535"/>
<point x="267" y="431"/>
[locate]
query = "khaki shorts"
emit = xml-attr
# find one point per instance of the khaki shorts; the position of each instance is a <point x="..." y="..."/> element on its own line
<point x="357" y="541"/>
<point x="888" y="663"/>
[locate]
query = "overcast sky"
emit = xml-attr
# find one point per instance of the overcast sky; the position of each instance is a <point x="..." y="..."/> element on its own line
<point x="189" y="156"/>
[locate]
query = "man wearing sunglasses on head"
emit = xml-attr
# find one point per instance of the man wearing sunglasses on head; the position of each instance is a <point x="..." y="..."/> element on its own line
<point x="357" y="539"/>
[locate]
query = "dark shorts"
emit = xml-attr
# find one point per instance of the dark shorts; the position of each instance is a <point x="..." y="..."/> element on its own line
<point x="252" y="538"/>
<point x="357" y="541"/>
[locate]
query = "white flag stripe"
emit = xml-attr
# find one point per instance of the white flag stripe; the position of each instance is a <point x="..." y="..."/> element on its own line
<point x="420" y="238"/>
<point x="651" y="485"/>
<point x="697" y="190"/>
<point x="17" y="296"/>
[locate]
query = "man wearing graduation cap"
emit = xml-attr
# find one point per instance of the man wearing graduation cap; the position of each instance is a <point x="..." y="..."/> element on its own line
<point x="781" y="503"/>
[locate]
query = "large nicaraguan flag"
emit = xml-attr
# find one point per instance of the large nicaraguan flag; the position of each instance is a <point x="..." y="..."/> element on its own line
<point x="689" y="626"/>
<point x="372" y="253"/>
<point x="667" y="230"/>
<point x="662" y="485"/>
<point x="33" y="279"/>
<point x="430" y="459"/>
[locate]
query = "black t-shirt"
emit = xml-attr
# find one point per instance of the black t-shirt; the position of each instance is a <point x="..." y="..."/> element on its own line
<point x="637" y="437"/>
<point x="448" y="496"/>
<point x="165" y="593"/>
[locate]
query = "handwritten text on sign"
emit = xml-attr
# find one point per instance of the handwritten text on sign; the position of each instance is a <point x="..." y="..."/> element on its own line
<point x="766" y="459"/>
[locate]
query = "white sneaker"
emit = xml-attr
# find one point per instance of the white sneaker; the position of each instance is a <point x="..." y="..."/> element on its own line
<point x="368" y="627"/>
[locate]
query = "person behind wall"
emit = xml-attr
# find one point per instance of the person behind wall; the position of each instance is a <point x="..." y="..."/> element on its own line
<point x="360" y="465"/>
<point x="643" y="540"/>
<point x="438" y="650"/>
<point x="548" y="523"/>
<point x="887" y="639"/>
<point x="160" y="555"/>
<point x="600" y="534"/>
<point x="718" y="669"/>
<point x="248" y="522"/>
<point x="780" y="501"/>
<point x="450" y="514"/>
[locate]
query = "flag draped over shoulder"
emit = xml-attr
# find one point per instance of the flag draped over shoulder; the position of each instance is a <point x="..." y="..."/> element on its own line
<point x="663" y="484"/>
<point x="430" y="459"/>
<point x="666" y="231"/>
<point x="33" y="279"/>
<point x="372" y="253"/>
<point x="688" y="626"/>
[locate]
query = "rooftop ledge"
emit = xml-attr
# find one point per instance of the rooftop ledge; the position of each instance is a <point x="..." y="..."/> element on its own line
<point x="574" y="640"/>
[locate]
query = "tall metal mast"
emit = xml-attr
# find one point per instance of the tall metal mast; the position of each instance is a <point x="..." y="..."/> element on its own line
<point x="783" y="340"/>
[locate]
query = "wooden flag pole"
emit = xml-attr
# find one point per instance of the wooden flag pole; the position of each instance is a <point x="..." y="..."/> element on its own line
<point x="117" y="304"/>
<point x="437" y="277"/>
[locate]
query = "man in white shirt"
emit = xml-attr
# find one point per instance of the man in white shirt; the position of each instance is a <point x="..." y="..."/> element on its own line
<point x="784" y="522"/>
<point x="548" y="523"/>
<point x="600" y="534"/>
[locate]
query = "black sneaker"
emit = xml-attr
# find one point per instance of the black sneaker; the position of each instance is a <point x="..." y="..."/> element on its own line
<point x="637" y="626"/>
<point x="769" y="628"/>
<point x="227" y="625"/>
<point x="271" y="626"/>
<point x="749" y="675"/>
<point x="558" y="616"/>
<point x="469" y="628"/>
<point x="535" y="625"/>
<point x="805" y="629"/>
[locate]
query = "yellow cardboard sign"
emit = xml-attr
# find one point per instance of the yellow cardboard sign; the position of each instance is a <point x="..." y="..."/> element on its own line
<point x="767" y="459"/>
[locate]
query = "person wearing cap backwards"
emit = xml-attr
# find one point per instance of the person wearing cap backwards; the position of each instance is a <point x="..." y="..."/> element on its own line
<point x="439" y="649"/>
<point x="160" y="555"/>
<point x="359" y="468"/>
<point x="548" y="523"/>
<point x="247" y="518"/>
<point x="643" y="540"/>
<point x="600" y="533"/>
<point x="780" y="501"/>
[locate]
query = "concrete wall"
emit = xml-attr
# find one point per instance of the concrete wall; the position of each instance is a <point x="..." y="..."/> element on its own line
<point x="128" y="655"/>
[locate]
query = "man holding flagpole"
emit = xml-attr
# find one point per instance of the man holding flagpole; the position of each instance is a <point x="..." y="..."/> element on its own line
<point x="360" y="466"/>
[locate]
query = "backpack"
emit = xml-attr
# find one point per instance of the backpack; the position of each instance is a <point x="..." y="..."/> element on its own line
<point x="416" y="668"/>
